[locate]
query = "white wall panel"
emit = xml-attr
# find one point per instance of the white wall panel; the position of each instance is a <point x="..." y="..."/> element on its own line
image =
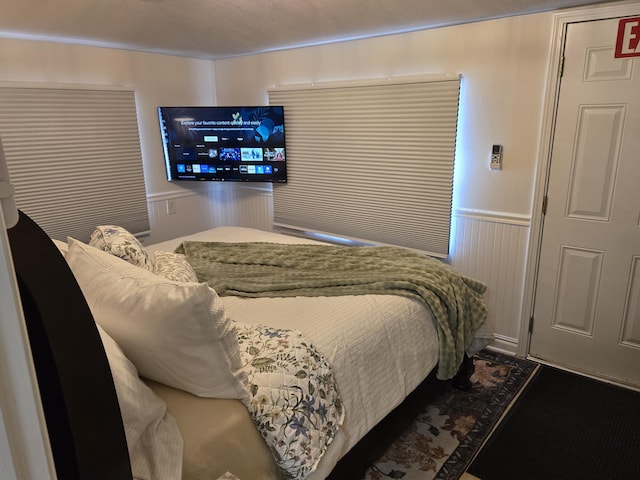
<point x="209" y="205"/>
<point x="243" y="205"/>
<point x="177" y="214"/>
<point x="492" y="247"/>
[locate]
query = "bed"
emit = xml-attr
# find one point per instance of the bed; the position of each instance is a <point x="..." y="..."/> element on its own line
<point x="348" y="359"/>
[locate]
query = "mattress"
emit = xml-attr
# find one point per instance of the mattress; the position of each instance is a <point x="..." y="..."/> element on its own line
<point x="380" y="347"/>
<point x="219" y="435"/>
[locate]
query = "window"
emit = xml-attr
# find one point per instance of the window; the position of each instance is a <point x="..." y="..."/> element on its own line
<point x="74" y="158"/>
<point x="371" y="161"/>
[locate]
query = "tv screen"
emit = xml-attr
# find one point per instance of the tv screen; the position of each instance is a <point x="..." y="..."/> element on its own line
<point x="234" y="144"/>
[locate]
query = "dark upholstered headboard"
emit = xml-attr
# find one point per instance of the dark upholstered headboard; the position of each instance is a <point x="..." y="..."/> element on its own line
<point x="76" y="387"/>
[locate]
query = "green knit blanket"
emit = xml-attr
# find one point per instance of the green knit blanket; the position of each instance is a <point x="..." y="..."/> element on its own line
<point x="260" y="269"/>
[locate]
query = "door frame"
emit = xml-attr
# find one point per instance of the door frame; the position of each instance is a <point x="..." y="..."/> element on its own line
<point x="552" y="92"/>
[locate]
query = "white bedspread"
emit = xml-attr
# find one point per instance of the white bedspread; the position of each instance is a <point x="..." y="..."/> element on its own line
<point x="380" y="347"/>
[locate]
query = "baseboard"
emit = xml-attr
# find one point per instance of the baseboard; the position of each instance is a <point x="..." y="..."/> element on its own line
<point x="502" y="344"/>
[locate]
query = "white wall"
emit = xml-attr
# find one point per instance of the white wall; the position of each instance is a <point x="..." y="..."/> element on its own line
<point x="503" y="67"/>
<point x="157" y="80"/>
<point x="503" y="63"/>
<point x="504" y="71"/>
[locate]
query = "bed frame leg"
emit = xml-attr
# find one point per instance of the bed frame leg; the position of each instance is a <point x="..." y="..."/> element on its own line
<point x="462" y="380"/>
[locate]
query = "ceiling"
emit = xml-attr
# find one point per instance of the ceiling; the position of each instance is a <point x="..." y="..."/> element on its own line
<point x="216" y="29"/>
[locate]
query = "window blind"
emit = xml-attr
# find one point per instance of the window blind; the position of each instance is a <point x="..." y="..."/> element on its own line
<point x="370" y="162"/>
<point x="74" y="158"/>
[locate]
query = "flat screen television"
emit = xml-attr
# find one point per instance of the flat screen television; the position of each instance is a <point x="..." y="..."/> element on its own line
<point x="231" y="144"/>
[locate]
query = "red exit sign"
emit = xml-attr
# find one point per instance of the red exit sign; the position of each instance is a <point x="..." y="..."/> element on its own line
<point x="628" y="44"/>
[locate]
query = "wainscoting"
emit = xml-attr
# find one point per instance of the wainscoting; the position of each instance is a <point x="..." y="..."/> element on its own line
<point x="488" y="246"/>
<point x="492" y="247"/>
<point x="174" y="214"/>
<point x="208" y="205"/>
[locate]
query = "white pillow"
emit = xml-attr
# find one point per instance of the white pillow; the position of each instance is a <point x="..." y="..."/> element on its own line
<point x="153" y="439"/>
<point x="174" y="266"/>
<point x="174" y="333"/>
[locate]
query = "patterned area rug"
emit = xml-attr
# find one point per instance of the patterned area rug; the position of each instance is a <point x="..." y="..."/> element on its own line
<point x="443" y="439"/>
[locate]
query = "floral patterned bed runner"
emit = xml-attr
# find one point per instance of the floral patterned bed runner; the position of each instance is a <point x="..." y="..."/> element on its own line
<point x="294" y="398"/>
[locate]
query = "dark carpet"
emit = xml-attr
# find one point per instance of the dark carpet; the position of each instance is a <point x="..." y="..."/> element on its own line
<point x="565" y="426"/>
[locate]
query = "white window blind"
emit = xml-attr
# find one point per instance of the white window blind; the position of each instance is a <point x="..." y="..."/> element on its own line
<point x="74" y="158"/>
<point x="371" y="162"/>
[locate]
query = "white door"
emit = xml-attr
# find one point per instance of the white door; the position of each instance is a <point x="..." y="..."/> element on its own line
<point x="587" y="303"/>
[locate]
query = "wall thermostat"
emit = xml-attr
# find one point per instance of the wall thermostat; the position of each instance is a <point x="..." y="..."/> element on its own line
<point x="496" y="157"/>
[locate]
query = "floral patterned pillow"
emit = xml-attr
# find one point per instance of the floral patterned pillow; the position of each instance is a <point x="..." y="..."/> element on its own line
<point x="174" y="266"/>
<point x="121" y="243"/>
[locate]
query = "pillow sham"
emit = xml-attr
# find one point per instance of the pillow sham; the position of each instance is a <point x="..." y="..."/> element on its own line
<point x="120" y="242"/>
<point x="174" y="333"/>
<point x="174" y="266"/>
<point x="153" y="439"/>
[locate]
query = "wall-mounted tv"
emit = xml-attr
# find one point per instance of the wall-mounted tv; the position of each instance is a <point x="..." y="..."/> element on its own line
<point x="231" y="144"/>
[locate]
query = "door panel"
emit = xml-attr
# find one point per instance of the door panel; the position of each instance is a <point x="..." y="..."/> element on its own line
<point x="587" y="306"/>
<point x="631" y="324"/>
<point x="578" y="284"/>
<point x="596" y="161"/>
